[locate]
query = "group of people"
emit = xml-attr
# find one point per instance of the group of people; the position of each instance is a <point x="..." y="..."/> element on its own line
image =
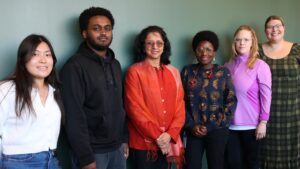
<point x="224" y="110"/>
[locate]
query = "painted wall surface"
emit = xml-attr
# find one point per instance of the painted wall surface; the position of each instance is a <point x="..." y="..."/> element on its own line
<point x="181" y="19"/>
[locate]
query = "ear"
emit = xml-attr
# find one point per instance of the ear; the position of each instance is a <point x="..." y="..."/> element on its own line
<point x="84" y="34"/>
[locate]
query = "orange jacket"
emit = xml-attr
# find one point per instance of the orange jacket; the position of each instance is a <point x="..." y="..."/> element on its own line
<point x="148" y="116"/>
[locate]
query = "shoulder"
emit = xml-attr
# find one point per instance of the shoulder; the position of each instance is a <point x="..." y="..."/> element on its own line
<point x="172" y="68"/>
<point x="7" y="85"/>
<point x="261" y="66"/>
<point x="74" y="61"/>
<point x="221" y="68"/>
<point x="135" y="67"/>
<point x="189" y="67"/>
<point x="7" y="88"/>
<point x="261" y="63"/>
<point x="296" y="46"/>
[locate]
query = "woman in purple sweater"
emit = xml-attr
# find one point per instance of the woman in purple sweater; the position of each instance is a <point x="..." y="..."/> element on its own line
<point x="252" y="81"/>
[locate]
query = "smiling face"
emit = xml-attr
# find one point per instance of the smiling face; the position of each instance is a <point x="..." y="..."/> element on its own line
<point x="98" y="34"/>
<point x="243" y="42"/>
<point x="40" y="65"/>
<point x="274" y="30"/>
<point x="205" y="53"/>
<point x="154" y="46"/>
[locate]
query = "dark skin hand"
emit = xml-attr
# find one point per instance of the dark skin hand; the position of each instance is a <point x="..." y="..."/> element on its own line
<point x="199" y="130"/>
<point x="90" y="166"/>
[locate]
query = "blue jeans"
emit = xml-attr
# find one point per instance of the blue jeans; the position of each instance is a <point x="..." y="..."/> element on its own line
<point x="110" y="160"/>
<point x="42" y="160"/>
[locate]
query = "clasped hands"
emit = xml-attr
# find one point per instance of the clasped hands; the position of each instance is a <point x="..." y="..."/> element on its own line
<point x="199" y="130"/>
<point x="163" y="142"/>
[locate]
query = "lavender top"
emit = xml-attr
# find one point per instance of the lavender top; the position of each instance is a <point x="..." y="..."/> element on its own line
<point x="253" y="91"/>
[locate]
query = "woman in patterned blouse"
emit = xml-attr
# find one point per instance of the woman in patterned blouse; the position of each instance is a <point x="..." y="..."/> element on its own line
<point x="210" y="102"/>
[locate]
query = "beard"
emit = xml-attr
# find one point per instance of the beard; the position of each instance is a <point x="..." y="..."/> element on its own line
<point x="97" y="46"/>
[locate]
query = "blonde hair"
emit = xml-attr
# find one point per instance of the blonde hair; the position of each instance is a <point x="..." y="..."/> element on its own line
<point x="254" y="46"/>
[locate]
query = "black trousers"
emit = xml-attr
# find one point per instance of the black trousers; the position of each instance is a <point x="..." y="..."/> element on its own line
<point x="242" y="150"/>
<point x="213" y="143"/>
<point x="139" y="160"/>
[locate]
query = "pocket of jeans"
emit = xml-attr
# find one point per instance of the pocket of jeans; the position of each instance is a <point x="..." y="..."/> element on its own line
<point x="19" y="157"/>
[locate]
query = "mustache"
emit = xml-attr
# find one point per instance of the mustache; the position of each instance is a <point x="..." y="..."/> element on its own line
<point x="102" y="36"/>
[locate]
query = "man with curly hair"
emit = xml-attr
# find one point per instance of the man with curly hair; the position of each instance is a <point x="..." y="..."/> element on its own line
<point x="92" y="95"/>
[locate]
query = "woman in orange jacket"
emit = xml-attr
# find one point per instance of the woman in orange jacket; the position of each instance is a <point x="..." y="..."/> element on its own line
<point x="154" y="103"/>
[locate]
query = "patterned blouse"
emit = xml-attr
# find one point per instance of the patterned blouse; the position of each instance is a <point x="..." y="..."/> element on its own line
<point x="209" y="96"/>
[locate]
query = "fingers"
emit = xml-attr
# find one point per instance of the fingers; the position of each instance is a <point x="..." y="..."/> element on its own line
<point x="163" y="142"/>
<point x="163" y="139"/>
<point x="125" y="150"/>
<point x="260" y="136"/>
<point x="199" y="131"/>
<point x="165" y="148"/>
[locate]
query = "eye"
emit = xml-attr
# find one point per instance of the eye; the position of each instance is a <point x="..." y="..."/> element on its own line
<point x="159" y="43"/>
<point x="35" y="54"/>
<point x="96" y="28"/>
<point x="48" y="54"/>
<point x="107" y="28"/>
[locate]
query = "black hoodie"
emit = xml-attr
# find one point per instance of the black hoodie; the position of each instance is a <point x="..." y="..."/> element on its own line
<point x="92" y="96"/>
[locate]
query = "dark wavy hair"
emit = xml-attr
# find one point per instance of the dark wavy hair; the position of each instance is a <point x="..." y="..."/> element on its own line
<point x="24" y="80"/>
<point x="94" y="11"/>
<point x="139" y="44"/>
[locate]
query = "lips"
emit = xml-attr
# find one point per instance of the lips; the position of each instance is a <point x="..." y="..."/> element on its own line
<point x="102" y="38"/>
<point x="42" y="68"/>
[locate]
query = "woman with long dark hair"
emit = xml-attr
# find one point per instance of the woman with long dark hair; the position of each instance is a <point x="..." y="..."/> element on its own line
<point x="31" y="108"/>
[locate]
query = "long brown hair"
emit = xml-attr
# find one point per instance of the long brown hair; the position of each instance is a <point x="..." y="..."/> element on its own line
<point x="254" y="46"/>
<point x="24" y="80"/>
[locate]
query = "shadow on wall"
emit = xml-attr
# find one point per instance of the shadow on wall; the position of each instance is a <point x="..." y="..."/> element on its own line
<point x="72" y="42"/>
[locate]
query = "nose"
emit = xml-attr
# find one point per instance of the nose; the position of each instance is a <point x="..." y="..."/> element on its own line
<point x="43" y="59"/>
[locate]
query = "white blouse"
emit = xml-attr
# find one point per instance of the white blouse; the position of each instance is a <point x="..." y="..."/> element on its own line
<point x="28" y="133"/>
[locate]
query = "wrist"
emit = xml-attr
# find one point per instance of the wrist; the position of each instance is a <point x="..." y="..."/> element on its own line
<point x="264" y="122"/>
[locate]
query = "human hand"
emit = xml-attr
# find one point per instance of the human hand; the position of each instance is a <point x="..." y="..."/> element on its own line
<point x="261" y="129"/>
<point x="90" y="166"/>
<point x="125" y="150"/>
<point x="199" y="130"/>
<point x="163" y="142"/>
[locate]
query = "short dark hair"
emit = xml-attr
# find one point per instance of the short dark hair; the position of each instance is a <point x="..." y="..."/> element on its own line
<point x="139" y="45"/>
<point x="206" y="36"/>
<point x="94" y="11"/>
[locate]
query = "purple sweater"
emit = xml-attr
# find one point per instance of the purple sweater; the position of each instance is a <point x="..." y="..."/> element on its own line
<point x="253" y="91"/>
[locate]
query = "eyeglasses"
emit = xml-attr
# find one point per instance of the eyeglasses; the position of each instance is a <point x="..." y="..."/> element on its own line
<point x="270" y="27"/>
<point x="202" y="50"/>
<point x="239" y="40"/>
<point x="39" y="54"/>
<point x="158" y="44"/>
<point x="98" y="28"/>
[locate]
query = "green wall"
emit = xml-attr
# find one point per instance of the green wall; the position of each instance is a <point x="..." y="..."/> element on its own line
<point x="57" y="19"/>
<point x="181" y="19"/>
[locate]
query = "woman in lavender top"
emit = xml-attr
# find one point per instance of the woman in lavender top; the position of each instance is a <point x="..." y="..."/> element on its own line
<point x="252" y="81"/>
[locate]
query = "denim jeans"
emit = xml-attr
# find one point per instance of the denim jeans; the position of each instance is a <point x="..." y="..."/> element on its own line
<point x="42" y="160"/>
<point x="110" y="160"/>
